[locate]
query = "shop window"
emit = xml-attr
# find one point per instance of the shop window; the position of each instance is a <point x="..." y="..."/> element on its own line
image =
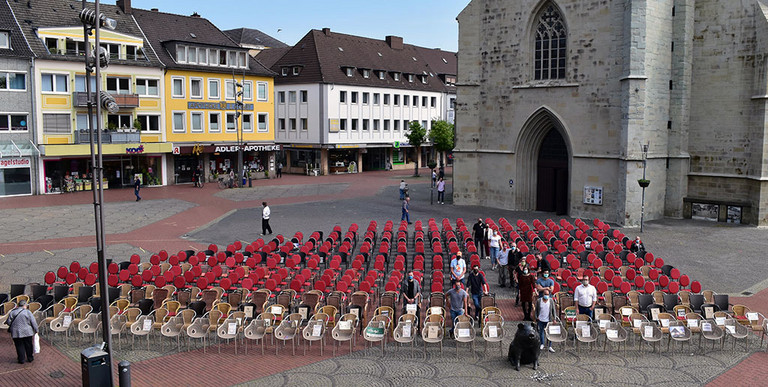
<point x="179" y="122"/>
<point x="196" y="122"/>
<point x="15" y="181"/>
<point x="57" y="123"/>
<point x="149" y="123"/>
<point x="13" y="123"/>
<point x="214" y="122"/>
<point x="13" y="81"/>
<point x="119" y="85"/>
<point x="55" y="83"/>
<point x="248" y="123"/>
<point x="214" y="86"/>
<point x="147" y="87"/>
<point x="263" y="122"/>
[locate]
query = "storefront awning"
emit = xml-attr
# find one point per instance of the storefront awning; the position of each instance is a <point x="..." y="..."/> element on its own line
<point x="13" y="148"/>
<point x="107" y="149"/>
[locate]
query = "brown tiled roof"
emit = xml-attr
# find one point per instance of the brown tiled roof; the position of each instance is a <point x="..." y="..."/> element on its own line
<point x="19" y="47"/>
<point x="34" y="14"/>
<point x="323" y="56"/>
<point x="269" y="56"/>
<point x="161" y="28"/>
<point x="254" y="37"/>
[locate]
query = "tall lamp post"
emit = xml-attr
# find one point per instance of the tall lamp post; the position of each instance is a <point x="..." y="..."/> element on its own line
<point x="93" y="20"/>
<point x="239" y="107"/>
<point x="644" y="183"/>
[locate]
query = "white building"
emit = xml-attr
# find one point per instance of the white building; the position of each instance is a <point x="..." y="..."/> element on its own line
<point x="343" y="103"/>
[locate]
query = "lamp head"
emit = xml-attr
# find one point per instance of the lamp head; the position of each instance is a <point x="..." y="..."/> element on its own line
<point x="108" y="102"/>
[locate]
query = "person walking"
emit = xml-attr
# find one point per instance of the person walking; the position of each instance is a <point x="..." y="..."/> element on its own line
<point x="457" y="301"/>
<point x="23" y="327"/>
<point x="502" y="259"/>
<point x="458" y="268"/>
<point x="279" y="169"/>
<point x="406" y="210"/>
<point x="136" y="187"/>
<point x="441" y="191"/>
<point x="434" y="177"/>
<point x="526" y="282"/>
<point x="478" y="230"/>
<point x="545" y="312"/>
<point x="477" y="287"/>
<point x="495" y="244"/>
<point x="265" y="213"/>
<point x="487" y="241"/>
<point x="514" y="256"/>
<point x="402" y="189"/>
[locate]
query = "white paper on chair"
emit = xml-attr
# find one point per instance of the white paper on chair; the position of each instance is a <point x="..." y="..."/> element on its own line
<point x="554" y="329"/>
<point x="664" y="322"/>
<point x="67" y="321"/>
<point x="706" y="327"/>
<point x="248" y="311"/>
<point x="648" y="332"/>
<point x="316" y="330"/>
<point x="493" y="331"/>
<point x="731" y="329"/>
<point x="580" y="324"/>
<point x="432" y="332"/>
<point x="720" y="320"/>
<point x="410" y="308"/>
<point x="491" y="311"/>
<point x="585" y="331"/>
<point x="407" y="330"/>
<point x="752" y="316"/>
<point x="681" y="313"/>
<point x="385" y="312"/>
<point x="435" y="310"/>
<point x="604" y="324"/>
<point x="677" y="331"/>
<point x="146" y="325"/>
<point x="276" y="309"/>
<point x="693" y="323"/>
<point x="345" y="325"/>
<point x="612" y="334"/>
<point x="655" y="314"/>
<point x="626" y="311"/>
<point x="231" y="328"/>
<point x="637" y="322"/>
<point x="464" y="332"/>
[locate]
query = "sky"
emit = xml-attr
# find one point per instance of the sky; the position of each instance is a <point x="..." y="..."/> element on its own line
<point x="427" y="23"/>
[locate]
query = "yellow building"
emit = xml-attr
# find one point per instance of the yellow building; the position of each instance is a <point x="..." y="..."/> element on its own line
<point x="134" y="137"/>
<point x="204" y="70"/>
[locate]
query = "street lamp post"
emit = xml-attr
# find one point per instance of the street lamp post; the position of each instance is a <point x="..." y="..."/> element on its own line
<point x="239" y="107"/>
<point x="643" y="183"/>
<point x="98" y="58"/>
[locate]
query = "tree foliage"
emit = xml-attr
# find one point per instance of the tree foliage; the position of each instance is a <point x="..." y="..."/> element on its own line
<point x="416" y="136"/>
<point x="442" y="136"/>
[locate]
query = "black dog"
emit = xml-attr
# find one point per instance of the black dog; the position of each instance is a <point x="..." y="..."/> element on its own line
<point x="524" y="349"/>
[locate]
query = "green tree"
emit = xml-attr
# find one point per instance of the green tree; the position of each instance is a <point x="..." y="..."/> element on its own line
<point x="443" y="138"/>
<point x="416" y="136"/>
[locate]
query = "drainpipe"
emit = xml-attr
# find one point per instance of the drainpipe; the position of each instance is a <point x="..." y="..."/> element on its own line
<point x="31" y="120"/>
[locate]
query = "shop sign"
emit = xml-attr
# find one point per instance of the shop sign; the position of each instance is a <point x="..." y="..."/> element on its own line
<point x="17" y="162"/>
<point x="216" y="105"/>
<point x="177" y="150"/>
<point x="248" y="148"/>
<point x="133" y="151"/>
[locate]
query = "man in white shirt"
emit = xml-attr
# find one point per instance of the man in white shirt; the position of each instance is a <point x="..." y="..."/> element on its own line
<point x="458" y="268"/>
<point x="586" y="297"/>
<point x="265" y="212"/>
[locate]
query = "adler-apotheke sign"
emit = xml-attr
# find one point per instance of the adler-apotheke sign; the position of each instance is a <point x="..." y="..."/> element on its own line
<point x="248" y="148"/>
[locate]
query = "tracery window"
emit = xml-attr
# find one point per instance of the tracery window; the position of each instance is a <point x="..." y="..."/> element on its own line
<point x="550" y="45"/>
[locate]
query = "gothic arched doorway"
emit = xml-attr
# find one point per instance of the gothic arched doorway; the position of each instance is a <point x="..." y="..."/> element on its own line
<point x="552" y="174"/>
<point x="543" y="157"/>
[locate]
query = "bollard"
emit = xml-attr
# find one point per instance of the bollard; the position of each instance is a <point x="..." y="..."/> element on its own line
<point x="124" y="374"/>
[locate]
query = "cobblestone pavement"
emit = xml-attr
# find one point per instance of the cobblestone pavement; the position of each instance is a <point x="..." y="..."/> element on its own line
<point x="281" y="191"/>
<point x="45" y="232"/>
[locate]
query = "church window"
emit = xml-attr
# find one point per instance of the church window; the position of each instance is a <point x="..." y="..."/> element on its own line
<point x="550" y="45"/>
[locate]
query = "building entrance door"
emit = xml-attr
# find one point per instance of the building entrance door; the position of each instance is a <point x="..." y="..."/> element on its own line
<point x="552" y="175"/>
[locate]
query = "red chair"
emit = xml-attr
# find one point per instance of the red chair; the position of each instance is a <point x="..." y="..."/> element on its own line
<point x="155" y="270"/>
<point x="50" y="277"/>
<point x="146" y="275"/>
<point x="62" y="272"/>
<point x="135" y="259"/>
<point x="684" y="281"/>
<point x="639" y="282"/>
<point x="160" y="281"/>
<point x="202" y="283"/>
<point x="124" y="275"/>
<point x="616" y="282"/>
<point x="154" y="259"/>
<point x="94" y="268"/>
<point x="609" y="275"/>
<point x="179" y="282"/>
<point x="163" y="255"/>
<point x="90" y="279"/>
<point x="82" y="273"/>
<point x="246" y="283"/>
<point x="226" y="283"/>
<point x="625" y="287"/>
<point x="74" y="267"/>
<point x="649" y="288"/>
<point x="230" y="262"/>
<point x="113" y="280"/>
<point x="602" y="287"/>
<point x="136" y="280"/>
<point x="674" y="287"/>
<point x="133" y="268"/>
<point x="320" y="285"/>
<point x="663" y="281"/>
<point x="658" y="263"/>
<point x="189" y="276"/>
<point x="695" y="287"/>
<point x="174" y="260"/>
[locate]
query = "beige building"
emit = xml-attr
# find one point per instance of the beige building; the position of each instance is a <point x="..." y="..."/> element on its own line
<point x="556" y="99"/>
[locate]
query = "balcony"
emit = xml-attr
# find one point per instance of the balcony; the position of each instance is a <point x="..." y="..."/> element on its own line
<point x="80" y="99"/>
<point x="109" y="137"/>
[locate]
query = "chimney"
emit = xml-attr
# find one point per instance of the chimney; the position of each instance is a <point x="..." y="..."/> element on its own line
<point x="394" y="42"/>
<point x="195" y="14"/>
<point x="124" y="5"/>
<point x="154" y="9"/>
<point x="326" y="31"/>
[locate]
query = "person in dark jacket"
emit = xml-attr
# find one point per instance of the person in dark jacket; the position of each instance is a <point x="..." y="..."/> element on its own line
<point x="478" y="236"/>
<point x="410" y="292"/>
<point x="23" y="327"/>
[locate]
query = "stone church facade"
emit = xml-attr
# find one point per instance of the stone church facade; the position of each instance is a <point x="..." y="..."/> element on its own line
<point x="556" y="99"/>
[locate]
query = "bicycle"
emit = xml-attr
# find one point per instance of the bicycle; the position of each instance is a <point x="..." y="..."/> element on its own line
<point x="224" y="182"/>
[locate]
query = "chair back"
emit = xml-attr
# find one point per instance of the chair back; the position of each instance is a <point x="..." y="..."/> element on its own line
<point x="493" y="331"/>
<point x="432" y="332"/>
<point x="314" y="331"/>
<point x="463" y="331"/>
<point x="615" y="332"/>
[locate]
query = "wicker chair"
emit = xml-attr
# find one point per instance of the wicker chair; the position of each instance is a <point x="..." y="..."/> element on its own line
<point x="228" y="330"/>
<point x="314" y="331"/>
<point x="651" y="333"/>
<point x="256" y="330"/>
<point x="345" y="330"/>
<point x="679" y="332"/>
<point x="615" y="333"/>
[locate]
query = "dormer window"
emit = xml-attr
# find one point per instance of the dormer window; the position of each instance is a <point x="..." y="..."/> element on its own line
<point x="450" y="80"/>
<point x="381" y="75"/>
<point x="424" y="79"/>
<point x="410" y="78"/>
<point x="396" y="77"/>
<point x="296" y="70"/>
<point x="52" y="44"/>
<point x="5" y="42"/>
<point x="181" y="54"/>
<point x="350" y="71"/>
<point x="366" y="73"/>
<point x="284" y="71"/>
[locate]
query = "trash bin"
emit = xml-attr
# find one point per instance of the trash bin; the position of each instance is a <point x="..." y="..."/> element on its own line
<point x="93" y="361"/>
